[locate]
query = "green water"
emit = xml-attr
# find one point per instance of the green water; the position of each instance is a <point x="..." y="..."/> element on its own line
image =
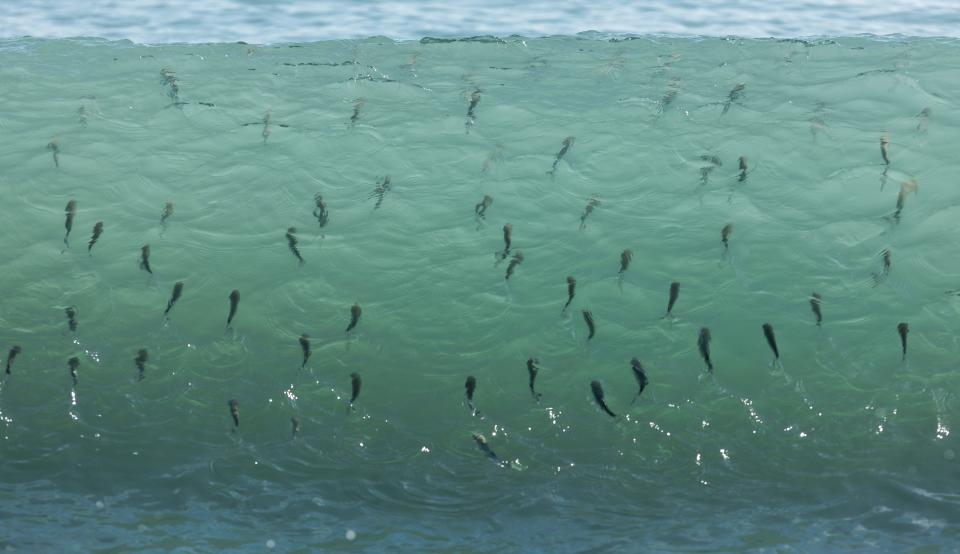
<point x="840" y="447"/>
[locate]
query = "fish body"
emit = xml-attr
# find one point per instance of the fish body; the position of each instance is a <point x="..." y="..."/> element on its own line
<point x="923" y="120"/>
<point x="815" y="301"/>
<point x="725" y="236"/>
<point x="743" y="169"/>
<point x="11" y="355"/>
<point x="734" y="96"/>
<point x="71" y="212"/>
<point x="72" y="317"/>
<point x="885" y="150"/>
<point x="234" y="303"/>
<point x="380" y="191"/>
<point x="481" y="208"/>
<point x="145" y="259"/>
<point x="703" y="344"/>
<point x="514" y="262"/>
<point x="597" y="389"/>
<point x="771" y="339"/>
<point x="141" y="362"/>
<point x="571" y="291"/>
<point x="354" y="316"/>
<point x="591" y="326"/>
<point x="903" y="330"/>
<point x="292" y="243"/>
<point x="320" y="210"/>
<point x="471" y="115"/>
<point x="567" y="143"/>
<point x="470" y="386"/>
<point x="177" y="291"/>
<point x="305" y="347"/>
<point x="592" y="204"/>
<point x="674" y="294"/>
<point x="355" y="384"/>
<point x="73" y="363"/>
<point x="295" y="426"/>
<point x="640" y="375"/>
<point x="507" y="240"/>
<point x="484" y="447"/>
<point x="54" y="147"/>
<point x="625" y="257"/>
<point x="532" y="371"/>
<point x="97" y="231"/>
<point x="266" y="125"/>
<point x="167" y="212"/>
<point x="356" y="112"/>
<point x="234" y="412"/>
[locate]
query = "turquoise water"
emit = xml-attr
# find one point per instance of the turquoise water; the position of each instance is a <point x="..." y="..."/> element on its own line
<point x="841" y="446"/>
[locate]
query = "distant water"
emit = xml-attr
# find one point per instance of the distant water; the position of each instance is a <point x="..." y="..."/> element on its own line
<point x="842" y="447"/>
<point x="271" y="21"/>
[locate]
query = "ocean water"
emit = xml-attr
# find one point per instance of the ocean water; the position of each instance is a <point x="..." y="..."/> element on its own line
<point x="842" y="445"/>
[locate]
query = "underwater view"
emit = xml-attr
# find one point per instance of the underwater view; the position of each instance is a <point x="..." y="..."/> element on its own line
<point x="586" y="293"/>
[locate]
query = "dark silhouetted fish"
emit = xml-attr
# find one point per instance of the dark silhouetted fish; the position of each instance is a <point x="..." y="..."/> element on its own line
<point x="54" y="147"/>
<point x="234" y="303"/>
<point x="514" y="262"/>
<point x="507" y="240"/>
<point x="97" y="231"/>
<point x="885" y="270"/>
<point x="532" y="370"/>
<point x="885" y="150"/>
<point x="305" y="346"/>
<point x="903" y="330"/>
<point x="471" y="386"/>
<point x="733" y="97"/>
<point x="571" y="292"/>
<point x="72" y="317"/>
<point x="141" y="362"/>
<point x="743" y="169"/>
<point x="266" y="126"/>
<point x="725" y="236"/>
<point x="12" y="355"/>
<point x="703" y="344"/>
<point x="815" y="301"/>
<point x="145" y="259"/>
<point x="674" y="294"/>
<point x="73" y="363"/>
<point x="640" y="375"/>
<point x="177" y="291"/>
<point x="356" y="111"/>
<point x="771" y="340"/>
<point x="905" y="188"/>
<point x="320" y="210"/>
<point x="484" y="447"/>
<point x="923" y="120"/>
<point x="355" y="384"/>
<point x="567" y="143"/>
<point x="292" y="243"/>
<point x="354" y="316"/>
<point x="592" y="204"/>
<point x="380" y="191"/>
<point x="71" y="211"/>
<point x="597" y="390"/>
<point x="481" y="208"/>
<point x="471" y="115"/>
<point x="625" y="257"/>
<point x="234" y="412"/>
<point x="591" y="326"/>
<point x="295" y="425"/>
<point x="167" y="212"/>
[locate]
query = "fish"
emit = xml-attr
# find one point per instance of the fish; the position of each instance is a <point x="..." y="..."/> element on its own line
<point x="567" y="143"/>
<point x="507" y="240"/>
<point x="725" y="236"/>
<point x="885" y="149"/>
<point x="514" y="262"/>
<point x="141" y="362"/>
<point x="320" y="210"/>
<point x="54" y="147"/>
<point x="625" y="257"/>
<point x="588" y="317"/>
<point x="905" y="188"/>
<point x="72" y="317"/>
<point x="71" y="211"/>
<point x="481" y="208"/>
<point x="167" y="212"/>
<point x="484" y="447"/>
<point x="295" y="424"/>
<point x="12" y="355"/>
<point x="471" y="387"/>
<point x="703" y="344"/>
<point x="735" y="94"/>
<point x="292" y="243"/>
<point x="592" y="204"/>
<point x="169" y="78"/>
<point x="73" y="363"/>
<point x="771" y="340"/>
<point x="234" y="412"/>
<point x="743" y="169"/>
<point x="674" y="293"/>
<point x="885" y="271"/>
<point x="177" y="291"/>
<point x="356" y="111"/>
<point x="355" y="384"/>
<point x="97" y="231"/>
<point x="640" y="375"/>
<point x="145" y="259"/>
<point x="532" y="370"/>
<point x="923" y="120"/>
<point x="815" y="300"/>
<point x="903" y="329"/>
<point x="380" y="191"/>
<point x="234" y="302"/>
<point x="305" y="346"/>
<point x="571" y="291"/>
<point x="471" y="115"/>
<point x="354" y="316"/>
<point x="597" y="390"/>
<point x="266" y="126"/>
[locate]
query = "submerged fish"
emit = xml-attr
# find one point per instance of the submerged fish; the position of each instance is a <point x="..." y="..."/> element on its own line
<point x="592" y="204"/>
<point x="380" y="191"/>
<point x="295" y="425"/>
<point x="885" y="150"/>
<point x="484" y="447"/>
<point x="567" y="143"/>
<point x="507" y="240"/>
<point x="625" y="257"/>
<point x="903" y="330"/>
<point x="571" y="291"/>
<point x="905" y="188"/>
<point x="292" y="243"/>
<point x="923" y="120"/>
<point x="141" y="362"/>
<point x="234" y="412"/>
<point x="471" y="115"/>
<point x="73" y="363"/>
<point x="234" y="303"/>
<point x="354" y="316"/>
<point x="145" y="259"/>
<point x="355" y="384"/>
<point x="703" y="344"/>
<point x="885" y="269"/>
<point x="320" y="210"/>
<point x="771" y="340"/>
<point x="815" y="306"/>
<point x="71" y="211"/>
<point x="588" y="318"/>
<point x="471" y="386"/>
<point x="167" y="212"/>
<point x="356" y="111"/>
<point x="743" y="169"/>
<point x="674" y="294"/>
<point x="72" y="317"/>
<point x="514" y="262"/>
<point x="305" y="346"/>
<point x="640" y="375"/>
<point x="12" y="355"/>
<point x="177" y="291"/>
<point x="481" y="208"/>
<point x="532" y="370"/>
<point x="54" y="147"/>
<point x="733" y="97"/>
<point x="597" y="389"/>
<point x="97" y="231"/>
<point x="725" y="236"/>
